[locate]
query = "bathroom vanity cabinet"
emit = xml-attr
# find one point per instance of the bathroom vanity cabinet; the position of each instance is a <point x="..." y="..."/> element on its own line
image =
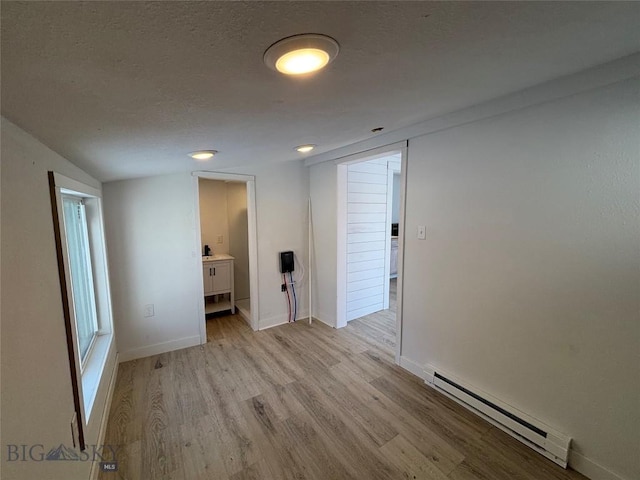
<point x="217" y="276"/>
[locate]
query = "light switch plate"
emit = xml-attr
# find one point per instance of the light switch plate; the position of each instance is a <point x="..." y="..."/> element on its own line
<point x="422" y="232"/>
<point x="148" y="310"/>
<point x="219" y="239"/>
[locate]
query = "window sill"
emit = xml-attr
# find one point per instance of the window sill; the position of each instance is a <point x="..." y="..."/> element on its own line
<point x="93" y="370"/>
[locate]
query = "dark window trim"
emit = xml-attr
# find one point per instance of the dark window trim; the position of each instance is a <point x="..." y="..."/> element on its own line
<point x="66" y="311"/>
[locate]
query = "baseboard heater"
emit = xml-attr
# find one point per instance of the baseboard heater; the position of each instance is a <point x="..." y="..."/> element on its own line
<point x="531" y="432"/>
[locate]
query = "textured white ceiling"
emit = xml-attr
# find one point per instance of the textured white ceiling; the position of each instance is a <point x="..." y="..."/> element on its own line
<point x="126" y="89"/>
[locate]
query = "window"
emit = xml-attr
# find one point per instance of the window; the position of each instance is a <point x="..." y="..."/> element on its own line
<point x="86" y="298"/>
<point x="84" y="302"/>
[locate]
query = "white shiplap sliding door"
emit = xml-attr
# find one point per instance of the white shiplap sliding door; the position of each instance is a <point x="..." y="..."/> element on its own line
<point x="366" y="237"/>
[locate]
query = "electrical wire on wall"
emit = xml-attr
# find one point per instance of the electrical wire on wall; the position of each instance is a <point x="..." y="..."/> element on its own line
<point x="296" y="278"/>
<point x="286" y="290"/>
<point x="302" y="271"/>
<point x="295" y="299"/>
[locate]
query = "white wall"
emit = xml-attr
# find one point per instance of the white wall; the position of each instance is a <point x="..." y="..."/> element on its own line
<point x="527" y="285"/>
<point x="366" y="237"/>
<point x="322" y="188"/>
<point x="36" y="395"/>
<point x="150" y="224"/>
<point x="214" y="215"/>
<point x="282" y="192"/>
<point x="152" y="237"/>
<point x="238" y="236"/>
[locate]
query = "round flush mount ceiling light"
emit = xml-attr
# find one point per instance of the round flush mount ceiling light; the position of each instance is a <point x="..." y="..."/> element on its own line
<point x="203" y="154"/>
<point x="301" y="54"/>
<point x="305" y="148"/>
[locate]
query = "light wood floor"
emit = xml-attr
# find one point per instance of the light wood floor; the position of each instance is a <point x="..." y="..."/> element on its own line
<point x="300" y="402"/>
<point x="381" y="326"/>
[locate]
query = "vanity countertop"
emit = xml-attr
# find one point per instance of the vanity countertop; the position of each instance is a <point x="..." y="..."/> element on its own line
<point x="217" y="257"/>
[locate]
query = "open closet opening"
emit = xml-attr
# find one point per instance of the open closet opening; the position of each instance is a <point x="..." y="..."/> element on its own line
<point x="227" y="245"/>
<point x="370" y="227"/>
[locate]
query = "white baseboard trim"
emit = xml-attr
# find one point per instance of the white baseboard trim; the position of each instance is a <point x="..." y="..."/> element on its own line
<point x="244" y="314"/>
<point x="302" y="316"/>
<point x="591" y="469"/>
<point x="412" y="367"/>
<point x="321" y="318"/>
<point x="278" y="320"/>
<point x="271" y="322"/>
<point x="158" y="348"/>
<point x="95" y="466"/>
<point x="318" y="319"/>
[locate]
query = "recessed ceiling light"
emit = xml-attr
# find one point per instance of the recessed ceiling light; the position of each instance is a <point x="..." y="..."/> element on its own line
<point x="203" y="154"/>
<point x="305" y="148"/>
<point x="301" y="54"/>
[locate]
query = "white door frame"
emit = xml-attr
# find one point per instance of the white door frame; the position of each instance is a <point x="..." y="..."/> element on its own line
<point x="392" y="169"/>
<point x="252" y="227"/>
<point x="342" y="165"/>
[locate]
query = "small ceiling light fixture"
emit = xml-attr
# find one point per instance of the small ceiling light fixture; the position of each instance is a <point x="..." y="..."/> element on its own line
<point x="305" y="148"/>
<point x="203" y="154"/>
<point x="301" y="54"/>
<point x="377" y="129"/>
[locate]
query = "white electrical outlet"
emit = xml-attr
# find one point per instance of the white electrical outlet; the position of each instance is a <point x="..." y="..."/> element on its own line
<point x="219" y="239"/>
<point x="148" y="310"/>
<point x="422" y="232"/>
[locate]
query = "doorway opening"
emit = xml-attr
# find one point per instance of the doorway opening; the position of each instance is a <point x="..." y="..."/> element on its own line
<point x="370" y="230"/>
<point x="226" y="241"/>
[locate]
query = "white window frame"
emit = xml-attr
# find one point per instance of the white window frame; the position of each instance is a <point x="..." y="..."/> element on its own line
<point x="92" y="300"/>
<point x="88" y="374"/>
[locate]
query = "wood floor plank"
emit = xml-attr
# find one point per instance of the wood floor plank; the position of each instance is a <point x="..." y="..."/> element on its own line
<point x="431" y="445"/>
<point x="226" y="423"/>
<point x="355" y="449"/>
<point x="318" y="450"/>
<point x="182" y="397"/>
<point x="301" y="402"/>
<point x="331" y="337"/>
<point x="122" y="411"/>
<point x="246" y="376"/>
<point x="156" y="454"/>
<point x="440" y="404"/>
<point x="521" y="454"/>
<point x="291" y="338"/>
<point x="279" y="450"/>
<point x="354" y="410"/>
<point x="463" y="435"/>
<point x="269" y="347"/>
<point x="265" y="367"/>
<point x="390" y="369"/>
<point x="410" y="461"/>
<point x="201" y="455"/>
<point x="130" y="461"/>
<point x="258" y="471"/>
<point x="229" y="382"/>
<point x="236" y="441"/>
<point x="284" y="403"/>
